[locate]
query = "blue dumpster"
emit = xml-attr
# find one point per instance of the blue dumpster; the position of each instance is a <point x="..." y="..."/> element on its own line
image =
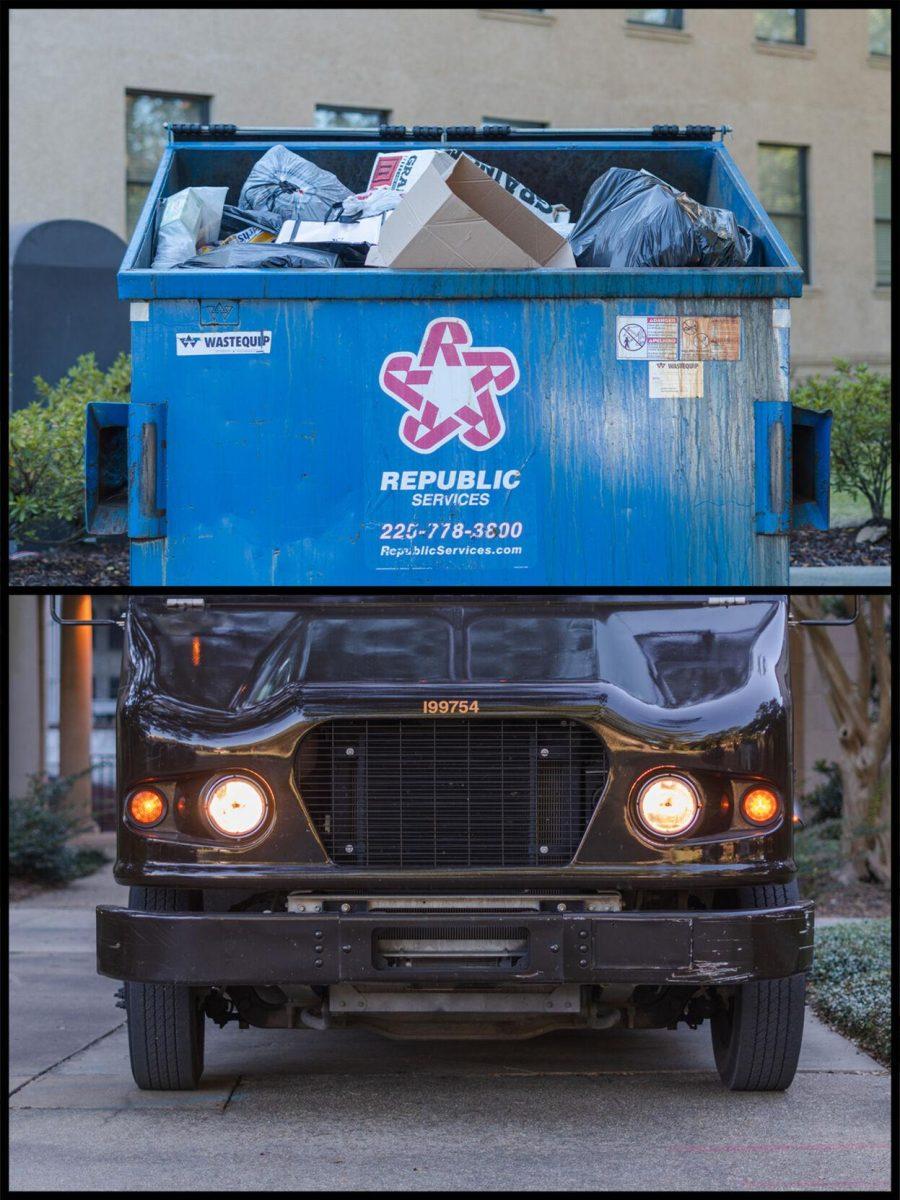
<point x="368" y="427"/>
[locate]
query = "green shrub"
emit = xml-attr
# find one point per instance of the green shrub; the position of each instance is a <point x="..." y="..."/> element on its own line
<point x="861" y="433"/>
<point x="851" y="982"/>
<point x="826" y="800"/>
<point x="39" y="829"/>
<point x="46" y="446"/>
<point x="817" y="851"/>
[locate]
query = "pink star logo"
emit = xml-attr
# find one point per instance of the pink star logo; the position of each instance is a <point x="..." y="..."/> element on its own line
<point x="450" y="389"/>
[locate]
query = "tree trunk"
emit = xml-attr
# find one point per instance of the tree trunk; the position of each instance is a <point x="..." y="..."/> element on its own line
<point x="861" y="710"/>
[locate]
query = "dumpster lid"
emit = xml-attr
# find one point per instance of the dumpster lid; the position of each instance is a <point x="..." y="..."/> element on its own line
<point x="189" y="132"/>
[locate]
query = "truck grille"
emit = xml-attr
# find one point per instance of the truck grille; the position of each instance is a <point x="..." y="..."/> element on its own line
<point x="419" y="793"/>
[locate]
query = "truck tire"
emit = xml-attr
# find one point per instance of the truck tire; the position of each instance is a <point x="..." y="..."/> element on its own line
<point x="756" y="1040"/>
<point x="165" y="1020"/>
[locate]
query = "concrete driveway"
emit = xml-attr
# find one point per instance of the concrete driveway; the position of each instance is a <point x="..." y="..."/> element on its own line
<point x="621" y="1110"/>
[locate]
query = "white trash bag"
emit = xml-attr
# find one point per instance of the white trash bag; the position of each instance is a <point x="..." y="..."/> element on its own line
<point x="191" y="218"/>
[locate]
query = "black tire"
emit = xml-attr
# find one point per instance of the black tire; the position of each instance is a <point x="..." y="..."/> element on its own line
<point x="165" y="1020"/>
<point x="756" y="1040"/>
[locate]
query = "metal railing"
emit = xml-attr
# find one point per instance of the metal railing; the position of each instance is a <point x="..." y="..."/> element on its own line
<point x="103" y="791"/>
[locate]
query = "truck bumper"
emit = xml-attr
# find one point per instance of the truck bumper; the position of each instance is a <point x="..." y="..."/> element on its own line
<point x="229" y="949"/>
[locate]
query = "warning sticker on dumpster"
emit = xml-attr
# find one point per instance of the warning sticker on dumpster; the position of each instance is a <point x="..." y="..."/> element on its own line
<point x="713" y="339"/>
<point x="257" y="341"/>
<point x="647" y="338"/>
<point x="681" y="380"/>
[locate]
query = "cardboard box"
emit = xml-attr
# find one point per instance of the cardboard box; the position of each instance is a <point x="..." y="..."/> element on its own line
<point x="399" y="170"/>
<point x="454" y="217"/>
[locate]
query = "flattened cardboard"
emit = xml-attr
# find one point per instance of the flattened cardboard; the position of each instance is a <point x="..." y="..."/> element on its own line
<point x="455" y="217"/>
<point x="353" y="233"/>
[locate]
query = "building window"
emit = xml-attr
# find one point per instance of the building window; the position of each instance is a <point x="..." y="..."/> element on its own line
<point x="787" y="25"/>
<point x="782" y="189"/>
<point x="338" y="116"/>
<point x="145" y="138"/>
<point x="515" y="122"/>
<point x="667" y="18"/>
<point x="883" y="220"/>
<point x="880" y="31"/>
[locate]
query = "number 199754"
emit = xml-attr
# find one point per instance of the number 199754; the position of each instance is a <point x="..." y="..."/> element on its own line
<point x="446" y="708"/>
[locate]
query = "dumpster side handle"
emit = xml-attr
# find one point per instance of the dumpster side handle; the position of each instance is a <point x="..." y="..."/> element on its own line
<point x="147" y="471"/>
<point x="773" y="466"/>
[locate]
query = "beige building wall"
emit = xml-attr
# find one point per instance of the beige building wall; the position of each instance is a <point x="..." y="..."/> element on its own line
<point x="27" y="709"/>
<point x="570" y="67"/>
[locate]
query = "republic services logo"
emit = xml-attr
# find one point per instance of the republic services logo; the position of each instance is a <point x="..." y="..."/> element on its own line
<point x="450" y="388"/>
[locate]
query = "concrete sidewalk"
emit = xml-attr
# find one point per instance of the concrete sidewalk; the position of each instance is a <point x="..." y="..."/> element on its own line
<point x="856" y="578"/>
<point x="350" y="1110"/>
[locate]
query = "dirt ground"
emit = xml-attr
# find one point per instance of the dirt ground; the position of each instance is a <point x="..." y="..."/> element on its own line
<point x="100" y="564"/>
<point x="838" y="548"/>
<point x="105" y="563"/>
<point x="853" y="900"/>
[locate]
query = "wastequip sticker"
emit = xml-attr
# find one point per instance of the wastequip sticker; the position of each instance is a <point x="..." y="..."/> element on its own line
<point x="682" y="380"/>
<point x="461" y="509"/>
<point x="249" y="342"/>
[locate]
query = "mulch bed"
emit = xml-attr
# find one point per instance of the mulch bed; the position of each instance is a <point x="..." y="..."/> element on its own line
<point x="837" y="548"/>
<point x="104" y="564"/>
<point x="853" y="900"/>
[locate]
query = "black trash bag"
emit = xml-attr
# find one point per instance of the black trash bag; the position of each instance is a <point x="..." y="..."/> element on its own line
<point x="293" y="187"/>
<point x="350" y="254"/>
<point x="632" y="219"/>
<point x="256" y="256"/>
<point x="235" y="220"/>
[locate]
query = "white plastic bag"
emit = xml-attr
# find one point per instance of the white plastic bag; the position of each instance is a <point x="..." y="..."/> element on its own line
<point x="191" y="218"/>
<point x="370" y="204"/>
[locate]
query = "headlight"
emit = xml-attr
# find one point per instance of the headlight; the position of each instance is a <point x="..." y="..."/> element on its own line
<point x="760" y="806"/>
<point x="668" y="805"/>
<point x="234" y="805"/>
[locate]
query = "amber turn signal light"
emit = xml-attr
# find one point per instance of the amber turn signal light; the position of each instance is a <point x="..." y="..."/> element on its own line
<point x="146" y="807"/>
<point x="760" y="806"/>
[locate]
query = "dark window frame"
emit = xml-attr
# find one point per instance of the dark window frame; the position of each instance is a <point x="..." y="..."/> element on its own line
<point x="200" y="98"/>
<point x="384" y="114"/>
<point x="881" y="283"/>
<point x="800" y="27"/>
<point x="676" y="21"/>
<point x="885" y="54"/>
<point x="803" y="213"/>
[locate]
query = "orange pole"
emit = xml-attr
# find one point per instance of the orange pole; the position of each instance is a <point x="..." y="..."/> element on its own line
<point x="75" y="715"/>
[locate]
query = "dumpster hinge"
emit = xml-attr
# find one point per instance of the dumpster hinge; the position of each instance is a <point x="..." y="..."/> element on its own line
<point x="178" y="130"/>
